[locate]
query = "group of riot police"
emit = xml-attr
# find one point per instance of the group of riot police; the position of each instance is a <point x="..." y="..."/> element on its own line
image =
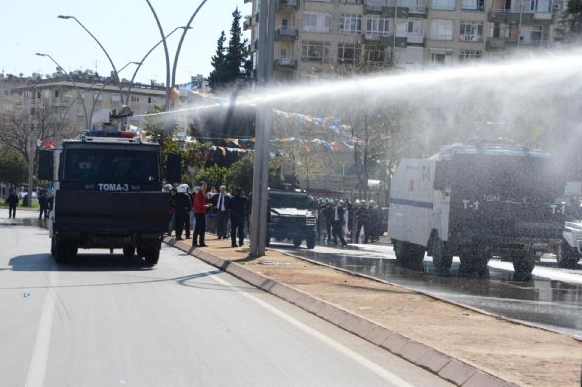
<point x="338" y="217"/>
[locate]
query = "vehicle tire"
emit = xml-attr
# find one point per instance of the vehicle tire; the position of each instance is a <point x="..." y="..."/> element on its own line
<point x="310" y="240"/>
<point x="441" y="258"/>
<point x="297" y="241"/>
<point x="279" y="239"/>
<point x="63" y="252"/>
<point x="128" y="252"/>
<point x="474" y="261"/>
<point x="268" y="240"/>
<point x="151" y="256"/>
<point x="408" y="255"/>
<point x="523" y="265"/>
<point x="566" y="256"/>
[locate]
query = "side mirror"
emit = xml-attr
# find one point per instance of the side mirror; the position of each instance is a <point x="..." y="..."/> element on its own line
<point x="174" y="168"/>
<point x="441" y="175"/>
<point x="45" y="165"/>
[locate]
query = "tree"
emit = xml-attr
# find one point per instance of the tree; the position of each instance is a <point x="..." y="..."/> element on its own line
<point x="218" y="77"/>
<point x="228" y="62"/>
<point x="572" y="20"/>
<point x="214" y="175"/>
<point x="12" y="167"/>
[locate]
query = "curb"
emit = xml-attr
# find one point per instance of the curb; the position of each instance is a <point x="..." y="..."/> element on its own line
<point x="456" y="371"/>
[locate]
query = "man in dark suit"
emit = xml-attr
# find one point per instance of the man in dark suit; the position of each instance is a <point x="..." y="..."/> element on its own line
<point x="338" y="223"/>
<point x="220" y="202"/>
<point x="238" y="208"/>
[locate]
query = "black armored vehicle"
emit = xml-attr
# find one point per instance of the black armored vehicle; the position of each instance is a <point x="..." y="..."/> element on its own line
<point x="290" y="216"/>
<point x="108" y="194"/>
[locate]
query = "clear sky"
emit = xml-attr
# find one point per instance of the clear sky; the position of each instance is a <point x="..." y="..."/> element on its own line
<point x="126" y="28"/>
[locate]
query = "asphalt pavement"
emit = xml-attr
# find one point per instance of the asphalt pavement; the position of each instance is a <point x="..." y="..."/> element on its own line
<point x="108" y="321"/>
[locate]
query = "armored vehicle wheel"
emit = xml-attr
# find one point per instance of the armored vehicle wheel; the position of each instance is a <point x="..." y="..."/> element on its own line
<point x="310" y="240"/>
<point x="63" y="252"/>
<point x="151" y="256"/>
<point x="566" y="256"/>
<point x="523" y="265"/>
<point x="297" y="241"/>
<point x="475" y="261"/>
<point x="268" y="240"/>
<point x="128" y="252"/>
<point x="441" y="258"/>
<point x="409" y="255"/>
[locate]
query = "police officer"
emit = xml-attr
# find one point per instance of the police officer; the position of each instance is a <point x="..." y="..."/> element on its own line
<point x="180" y="202"/>
<point x="338" y="223"/>
<point x="360" y="219"/>
<point x="328" y="217"/>
<point x="238" y="208"/>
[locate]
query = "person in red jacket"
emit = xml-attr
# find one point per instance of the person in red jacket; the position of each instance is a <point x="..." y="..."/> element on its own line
<point x="201" y="205"/>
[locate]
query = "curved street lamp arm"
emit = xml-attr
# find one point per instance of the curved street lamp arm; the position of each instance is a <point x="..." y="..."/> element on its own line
<point x="175" y="66"/>
<point x="81" y="96"/>
<point x="104" y="51"/>
<point x="167" y="105"/>
<point x="141" y="62"/>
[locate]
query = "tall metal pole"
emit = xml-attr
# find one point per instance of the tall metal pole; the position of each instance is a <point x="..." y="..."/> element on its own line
<point x="167" y="103"/>
<point x="143" y="60"/>
<point x="175" y="65"/>
<point x="81" y="96"/>
<point x="262" y="130"/>
<point x="102" y="48"/>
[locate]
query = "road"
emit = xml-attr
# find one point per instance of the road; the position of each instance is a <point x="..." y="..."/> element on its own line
<point x="552" y="299"/>
<point x="109" y="322"/>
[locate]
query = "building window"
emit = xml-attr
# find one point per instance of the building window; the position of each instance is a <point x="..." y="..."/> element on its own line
<point x="134" y="100"/>
<point x="151" y="101"/>
<point x="374" y="54"/>
<point x="97" y="96"/>
<point x="350" y="24"/>
<point x="82" y="93"/>
<point x="469" y="54"/>
<point x="317" y="22"/>
<point x="347" y="53"/>
<point x="7" y="93"/>
<point x="376" y="24"/>
<point x="80" y="112"/>
<point x="471" y="31"/>
<point x="415" y="27"/>
<point x="27" y="94"/>
<point x="441" y="29"/>
<point x="57" y="94"/>
<point x="441" y="56"/>
<point x="115" y="98"/>
<point x="315" y="51"/>
<point x="473" y="5"/>
<point x="446" y="5"/>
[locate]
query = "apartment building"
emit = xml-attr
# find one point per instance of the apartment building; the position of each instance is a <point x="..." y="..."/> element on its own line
<point x="314" y="37"/>
<point x="71" y="101"/>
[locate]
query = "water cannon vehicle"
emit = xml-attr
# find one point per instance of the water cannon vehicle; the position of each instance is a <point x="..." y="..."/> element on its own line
<point x="474" y="201"/>
<point x="107" y="192"/>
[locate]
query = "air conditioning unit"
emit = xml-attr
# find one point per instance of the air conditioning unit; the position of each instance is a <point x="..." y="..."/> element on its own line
<point x="557" y="6"/>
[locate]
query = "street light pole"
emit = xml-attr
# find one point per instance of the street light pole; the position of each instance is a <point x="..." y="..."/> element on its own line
<point x="262" y="130"/>
<point x="66" y="17"/>
<point x="175" y="65"/>
<point x="145" y="57"/>
<point x="167" y="103"/>
<point x="81" y="97"/>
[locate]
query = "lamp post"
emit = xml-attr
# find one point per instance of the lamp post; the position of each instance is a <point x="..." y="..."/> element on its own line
<point x="67" y="17"/>
<point x="145" y="57"/>
<point x="262" y="130"/>
<point x="80" y="95"/>
<point x="171" y="79"/>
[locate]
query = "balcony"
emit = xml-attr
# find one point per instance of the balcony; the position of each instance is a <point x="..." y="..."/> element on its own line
<point x="286" y="33"/>
<point x="384" y="40"/>
<point x="418" y="11"/>
<point x="543" y="16"/>
<point x="287" y="63"/>
<point x="287" y="5"/>
<point x="247" y="24"/>
<point x="493" y="44"/>
<point x="415" y="40"/>
<point x="510" y="17"/>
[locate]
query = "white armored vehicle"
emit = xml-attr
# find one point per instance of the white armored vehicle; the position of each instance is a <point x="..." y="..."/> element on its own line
<point x="475" y="201"/>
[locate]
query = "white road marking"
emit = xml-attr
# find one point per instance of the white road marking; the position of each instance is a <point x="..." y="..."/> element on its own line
<point x="38" y="363"/>
<point x="380" y="371"/>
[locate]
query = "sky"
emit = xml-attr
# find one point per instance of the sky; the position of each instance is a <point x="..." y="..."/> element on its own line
<point x="126" y="28"/>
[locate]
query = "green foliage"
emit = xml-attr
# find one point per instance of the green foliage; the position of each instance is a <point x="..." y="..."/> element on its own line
<point x="228" y="61"/>
<point x="215" y="176"/>
<point x="218" y="76"/>
<point x="242" y="174"/>
<point x="573" y="20"/>
<point x="13" y="169"/>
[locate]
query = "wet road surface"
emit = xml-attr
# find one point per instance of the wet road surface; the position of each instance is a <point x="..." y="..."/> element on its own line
<point x="552" y="299"/>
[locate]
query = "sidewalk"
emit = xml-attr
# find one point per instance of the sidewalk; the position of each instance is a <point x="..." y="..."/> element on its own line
<point x="466" y="347"/>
